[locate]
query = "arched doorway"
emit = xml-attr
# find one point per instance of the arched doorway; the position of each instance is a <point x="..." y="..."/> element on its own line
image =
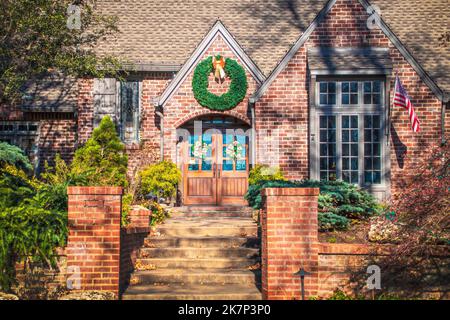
<point x="215" y="160"/>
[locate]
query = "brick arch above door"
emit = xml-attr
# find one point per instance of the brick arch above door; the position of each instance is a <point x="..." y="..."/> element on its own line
<point x="205" y="112"/>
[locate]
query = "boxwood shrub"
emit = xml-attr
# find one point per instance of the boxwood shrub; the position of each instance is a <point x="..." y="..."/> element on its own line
<point x="339" y="202"/>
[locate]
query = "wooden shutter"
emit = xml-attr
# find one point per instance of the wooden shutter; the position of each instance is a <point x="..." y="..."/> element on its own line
<point x="105" y="100"/>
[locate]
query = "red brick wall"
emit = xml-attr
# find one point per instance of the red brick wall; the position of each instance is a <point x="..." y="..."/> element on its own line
<point x="85" y="109"/>
<point x="289" y="242"/>
<point x="93" y="243"/>
<point x="285" y="104"/>
<point x="337" y="262"/>
<point x="131" y="240"/>
<point x="57" y="136"/>
<point x="183" y="106"/>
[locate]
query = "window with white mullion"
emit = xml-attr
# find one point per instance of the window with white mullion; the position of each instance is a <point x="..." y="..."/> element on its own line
<point x="350" y="148"/>
<point x="373" y="149"/>
<point x="327" y="147"/>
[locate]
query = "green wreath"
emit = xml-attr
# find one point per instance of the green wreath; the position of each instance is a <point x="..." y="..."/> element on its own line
<point x="236" y="93"/>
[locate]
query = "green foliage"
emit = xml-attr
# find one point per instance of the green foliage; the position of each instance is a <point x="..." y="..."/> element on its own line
<point x="31" y="234"/>
<point x="236" y="93"/>
<point x="331" y="221"/>
<point x="14" y="156"/>
<point x="262" y="172"/>
<point x="161" y="179"/>
<point x="35" y="39"/>
<point x="159" y="214"/>
<point x="102" y="160"/>
<point x="127" y="201"/>
<point x="15" y="186"/>
<point x="338" y="200"/>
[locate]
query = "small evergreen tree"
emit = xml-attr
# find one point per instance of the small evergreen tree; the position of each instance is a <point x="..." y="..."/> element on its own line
<point x="102" y="160"/>
<point x="13" y="155"/>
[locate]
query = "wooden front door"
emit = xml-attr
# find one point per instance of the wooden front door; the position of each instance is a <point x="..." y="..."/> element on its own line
<point x="214" y="178"/>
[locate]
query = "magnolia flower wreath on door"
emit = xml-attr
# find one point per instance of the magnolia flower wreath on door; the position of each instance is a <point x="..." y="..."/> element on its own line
<point x="222" y="68"/>
<point x="234" y="151"/>
<point x="199" y="150"/>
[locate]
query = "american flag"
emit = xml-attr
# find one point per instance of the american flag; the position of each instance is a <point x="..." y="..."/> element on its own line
<point x="401" y="99"/>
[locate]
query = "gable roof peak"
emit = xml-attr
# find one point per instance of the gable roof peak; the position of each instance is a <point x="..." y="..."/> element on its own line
<point x="217" y="29"/>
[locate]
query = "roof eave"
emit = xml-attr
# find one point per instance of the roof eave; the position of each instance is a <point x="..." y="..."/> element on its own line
<point x="217" y="29"/>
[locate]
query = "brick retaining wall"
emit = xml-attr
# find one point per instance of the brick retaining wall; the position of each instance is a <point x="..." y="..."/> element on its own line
<point x="290" y="242"/>
<point x="93" y="246"/>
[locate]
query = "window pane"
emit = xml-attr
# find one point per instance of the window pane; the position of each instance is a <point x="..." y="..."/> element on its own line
<point x="323" y="122"/>
<point x="345" y="98"/>
<point x="345" y="122"/>
<point x="350" y="163"/>
<point x="332" y="87"/>
<point x="323" y="87"/>
<point x="129" y="110"/>
<point x="332" y="98"/>
<point x="227" y="165"/>
<point x="354" y="99"/>
<point x="327" y="158"/>
<point x="376" y="99"/>
<point x="345" y="150"/>
<point x="241" y="165"/>
<point x="377" y="86"/>
<point x="372" y="152"/>
<point x="354" y="121"/>
<point x="345" y="87"/>
<point x="206" y="165"/>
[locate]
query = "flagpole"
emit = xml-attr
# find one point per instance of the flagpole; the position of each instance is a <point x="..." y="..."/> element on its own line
<point x="388" y="124"/>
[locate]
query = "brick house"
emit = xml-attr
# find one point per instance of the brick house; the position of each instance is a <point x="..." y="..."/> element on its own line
<point x="318" y="105"/>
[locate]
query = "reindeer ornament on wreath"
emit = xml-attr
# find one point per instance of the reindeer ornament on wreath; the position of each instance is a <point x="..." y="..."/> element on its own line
<point x="222" y="68"/>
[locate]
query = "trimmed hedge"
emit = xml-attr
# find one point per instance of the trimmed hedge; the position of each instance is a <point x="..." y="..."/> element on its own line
<point x="338" y="201"/>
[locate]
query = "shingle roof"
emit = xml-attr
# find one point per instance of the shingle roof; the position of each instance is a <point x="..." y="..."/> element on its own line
<point x="167" y="32"/>
<point x="420" y="24"/>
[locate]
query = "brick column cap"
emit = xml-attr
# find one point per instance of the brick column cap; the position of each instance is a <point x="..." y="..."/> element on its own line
<point x="290" y="192"/>
<point x="104" y="190"/>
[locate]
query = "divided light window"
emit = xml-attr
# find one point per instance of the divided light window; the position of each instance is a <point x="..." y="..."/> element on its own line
<point x="349" y="126"/>
<point x="129" y="111"/>
<point x="23" y="135"/>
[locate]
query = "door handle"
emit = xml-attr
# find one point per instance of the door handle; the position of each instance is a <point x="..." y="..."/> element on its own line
<point x="214" y="170"/>
<point x="218" y="171"/>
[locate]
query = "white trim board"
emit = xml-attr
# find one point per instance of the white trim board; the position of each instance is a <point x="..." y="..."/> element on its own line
<point x="218" y="29"/>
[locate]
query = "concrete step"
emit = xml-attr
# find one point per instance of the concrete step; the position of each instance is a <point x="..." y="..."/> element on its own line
<point x="201" y="264"/>
<point x="198" y="253"/>
<point x="175" y="230"/>
<point x="196" y="276"/>
<point x="193" y="292"/>
<point x="202" y="242"/>
<point x="210" y="211"/>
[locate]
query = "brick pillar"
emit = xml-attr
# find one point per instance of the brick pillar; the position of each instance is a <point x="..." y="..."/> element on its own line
<point x="93" y="247"/>
<point x="289" y="242"/>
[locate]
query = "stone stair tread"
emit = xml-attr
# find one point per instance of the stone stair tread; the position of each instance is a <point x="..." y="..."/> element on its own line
<point x="232" y="271"/>
<point x="199" y="257"/>
<point x="193" y="237"/>
<point x="199" y="263"/>
<point x="195" y="252"/>
<point x="193" y="291"/>
<point x="205" y="223"/>
<point x="168" y="241"/>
